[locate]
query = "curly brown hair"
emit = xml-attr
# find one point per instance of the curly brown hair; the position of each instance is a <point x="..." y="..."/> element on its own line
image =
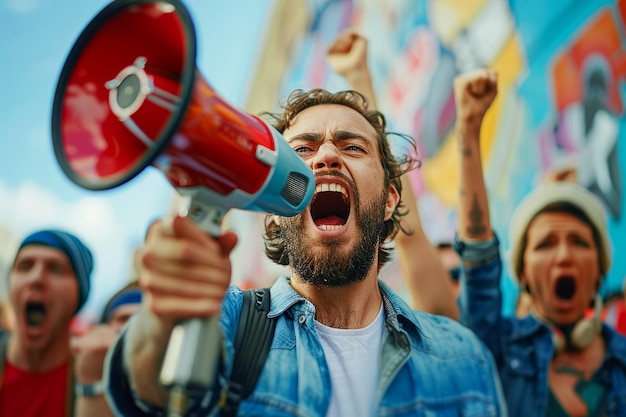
<point x="393" y="167"/>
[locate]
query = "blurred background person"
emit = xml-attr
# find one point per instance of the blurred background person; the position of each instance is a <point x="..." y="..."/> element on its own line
<point x="90" y="349"/>
<point x="90" y="346"/>
<point x="555" y="361"/>
<point x="121" y="306"/>
<point x="49" y="282"/>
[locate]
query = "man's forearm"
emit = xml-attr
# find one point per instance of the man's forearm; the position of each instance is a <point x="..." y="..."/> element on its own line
<point x="361" y="81"/>
<point x="145" y="347"/>
<point x="473" y="216"/>
<point x="425" y="275"/>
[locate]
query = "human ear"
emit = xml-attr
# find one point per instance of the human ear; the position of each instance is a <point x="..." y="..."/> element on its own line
<point x="393" y="198"/>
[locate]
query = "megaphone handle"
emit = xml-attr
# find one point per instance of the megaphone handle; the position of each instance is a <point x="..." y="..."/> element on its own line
<point x="192" y="357"/>
<point x="195" y="346"/>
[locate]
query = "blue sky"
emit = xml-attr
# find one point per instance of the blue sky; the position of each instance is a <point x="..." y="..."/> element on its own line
<point x="36" y="37"/>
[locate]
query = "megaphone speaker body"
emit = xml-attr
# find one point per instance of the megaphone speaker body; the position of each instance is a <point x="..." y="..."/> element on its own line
<point x="130" y="96"/>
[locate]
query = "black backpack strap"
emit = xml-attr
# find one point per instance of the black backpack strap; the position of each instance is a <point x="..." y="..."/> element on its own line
<point x="252" y="344"/>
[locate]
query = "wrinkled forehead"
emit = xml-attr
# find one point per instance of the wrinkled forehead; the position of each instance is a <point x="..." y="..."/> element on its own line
<point x="329" y="118"/>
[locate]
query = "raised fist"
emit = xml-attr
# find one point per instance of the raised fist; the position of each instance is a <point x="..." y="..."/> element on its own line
<point x="348" y="54"/>
<point x="474" y="92"/>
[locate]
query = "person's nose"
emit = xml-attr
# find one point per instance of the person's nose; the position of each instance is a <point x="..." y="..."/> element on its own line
<point x="36" y="275"/>
<point x="327" y="156"/>
<point x="564" y="252"/>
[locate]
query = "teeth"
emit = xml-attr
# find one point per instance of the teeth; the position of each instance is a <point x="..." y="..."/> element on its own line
<point x="329" y="227"/>
<point x="333" y="187"/>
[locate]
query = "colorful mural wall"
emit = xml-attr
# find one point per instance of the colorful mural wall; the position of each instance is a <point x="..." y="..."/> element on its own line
<point x="561" y="68"/>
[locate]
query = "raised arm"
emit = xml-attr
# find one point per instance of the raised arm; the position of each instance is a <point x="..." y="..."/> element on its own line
<point x="425" y="276"/>
<point x="474" y="92"/>
<point x="88" y="351"/>
<point x="480" y="298"/>
<point x="348" y="57"/>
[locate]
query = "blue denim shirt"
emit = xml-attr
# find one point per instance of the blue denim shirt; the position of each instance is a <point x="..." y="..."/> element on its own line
<point x="430" y="365"/>
<point x="523" y="348"/>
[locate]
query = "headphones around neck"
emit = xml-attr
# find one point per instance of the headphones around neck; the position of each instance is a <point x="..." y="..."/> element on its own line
<point x="583" y="332"/>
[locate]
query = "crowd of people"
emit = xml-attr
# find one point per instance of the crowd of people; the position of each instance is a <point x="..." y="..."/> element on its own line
<point x="344" y="343"/>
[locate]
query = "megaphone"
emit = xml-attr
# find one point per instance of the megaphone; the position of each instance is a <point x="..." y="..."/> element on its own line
<point x="130" y="96"/>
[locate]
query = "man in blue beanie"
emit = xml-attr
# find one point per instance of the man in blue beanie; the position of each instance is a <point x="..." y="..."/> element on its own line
<point x="49" y="282"/>
<point x="79" y="255"/>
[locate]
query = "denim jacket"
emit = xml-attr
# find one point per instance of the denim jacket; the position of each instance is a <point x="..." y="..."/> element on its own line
<point x="430" y="365"/>
<point x="523" y="348"/>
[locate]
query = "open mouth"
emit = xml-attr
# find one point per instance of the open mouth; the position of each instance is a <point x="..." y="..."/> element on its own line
<point x="565" y="288"/>
<point x="35" y="314"/>
<point x="330" y="207"/>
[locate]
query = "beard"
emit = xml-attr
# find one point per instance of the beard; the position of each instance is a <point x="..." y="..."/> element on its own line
<point x="330" y="266"/>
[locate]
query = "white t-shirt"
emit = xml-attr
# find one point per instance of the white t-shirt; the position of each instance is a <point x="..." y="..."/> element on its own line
<point x="353" y="357"/>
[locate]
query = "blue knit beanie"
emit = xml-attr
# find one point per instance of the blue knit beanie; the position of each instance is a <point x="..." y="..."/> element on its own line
<point x="79" y="255"/>
<point x="127" y="296"/>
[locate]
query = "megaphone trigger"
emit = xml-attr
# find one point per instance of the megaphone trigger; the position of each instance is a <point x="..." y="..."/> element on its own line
<point x="208" y="217"/>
